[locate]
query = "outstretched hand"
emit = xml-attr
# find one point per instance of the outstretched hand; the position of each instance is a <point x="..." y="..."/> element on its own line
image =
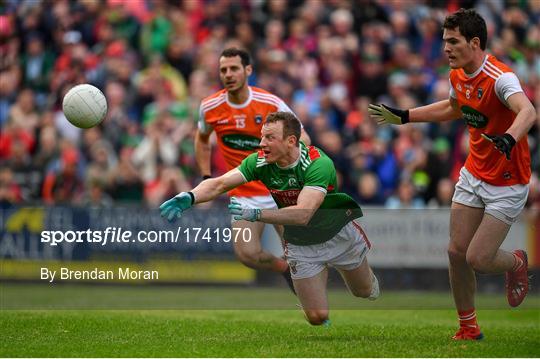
<point x="388" y="115"/>
<point x="175" y="207"/>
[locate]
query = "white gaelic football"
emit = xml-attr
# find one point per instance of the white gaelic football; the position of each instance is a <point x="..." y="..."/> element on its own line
<point x="85" y="106"/>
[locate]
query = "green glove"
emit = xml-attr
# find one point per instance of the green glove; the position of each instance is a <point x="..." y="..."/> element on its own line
<point x="174" y="207"/>
<point x="248" y="214"/>
<point x="384" y="114"/>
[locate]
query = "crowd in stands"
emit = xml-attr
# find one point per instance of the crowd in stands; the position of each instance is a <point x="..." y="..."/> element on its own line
<point x="156" y="59"/>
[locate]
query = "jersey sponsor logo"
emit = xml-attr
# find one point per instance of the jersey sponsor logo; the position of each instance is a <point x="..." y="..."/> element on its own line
<point x="241" y="142"/>
<point x="222" y="122"/>
<point x="287" y="197"/>
<point x="276" y="181"/>
<point x="474" y="118"/>
<point x="458" y="87"/>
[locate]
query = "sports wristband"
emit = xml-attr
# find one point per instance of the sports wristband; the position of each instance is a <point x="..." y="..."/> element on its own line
<point x="192" y="198"/>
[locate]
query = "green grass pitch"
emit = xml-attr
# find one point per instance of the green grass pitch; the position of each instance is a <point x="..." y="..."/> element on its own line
<point x="250" y="322"/>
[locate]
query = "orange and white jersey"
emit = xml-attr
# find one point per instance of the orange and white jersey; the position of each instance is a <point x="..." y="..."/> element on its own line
<point x="482" y="99"/>
<point x="238" y="128"/>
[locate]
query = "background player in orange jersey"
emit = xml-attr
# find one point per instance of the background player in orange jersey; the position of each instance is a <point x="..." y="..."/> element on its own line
<point x="236" y="114"/>
<point x="493" y="187"/>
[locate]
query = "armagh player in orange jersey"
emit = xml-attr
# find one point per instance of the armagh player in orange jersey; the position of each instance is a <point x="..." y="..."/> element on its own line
<point x="493" y="187"/>
<point x="236" y="114"/>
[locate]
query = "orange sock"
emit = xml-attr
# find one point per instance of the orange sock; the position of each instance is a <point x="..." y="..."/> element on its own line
<point x="280" y="265"/>
<point x="467" y="318"/>
<point x="518" y="262"/>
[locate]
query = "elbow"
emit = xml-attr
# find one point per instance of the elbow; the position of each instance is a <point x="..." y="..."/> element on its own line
<point x="533" y="116"/>
<point x="305" y="217"/>
<point x="218" y="184"/>
<point x="202" y="139"/>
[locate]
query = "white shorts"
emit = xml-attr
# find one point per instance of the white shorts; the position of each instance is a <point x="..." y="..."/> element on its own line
<point x="502" y="202"/>
<point x="262" y="202"/>
<point x="345" y="251"/>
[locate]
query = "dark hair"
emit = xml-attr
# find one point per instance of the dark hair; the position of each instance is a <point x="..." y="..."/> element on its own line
<point x="291" y="125"/>
<point x="233" y="52"/>
<point x="470" y="25"/>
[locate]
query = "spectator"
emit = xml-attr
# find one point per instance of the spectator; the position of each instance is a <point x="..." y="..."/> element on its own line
<point x="125" y="183"/>
<point x="10" y="192"/>
<point x="23" y="113"/>
<point x="405" y="198"/>
<point x="369" y="192"/>
<point x="63" y="184"/>
<point x="156" y="147"/>
<point x="37" y="64"/>
<point x="95" y="195"/>
<point x="170" y="182"/>
<point x="445" y="192"/>
<point x="12" y="135"/>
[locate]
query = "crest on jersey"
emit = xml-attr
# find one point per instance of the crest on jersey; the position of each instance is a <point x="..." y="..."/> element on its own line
<point x="258" y="119"/>
<point x="480" y="93"/>
<point x="293" y="182"/>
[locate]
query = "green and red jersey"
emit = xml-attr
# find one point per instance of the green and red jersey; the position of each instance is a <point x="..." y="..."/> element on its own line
<point x="313" y="169"/>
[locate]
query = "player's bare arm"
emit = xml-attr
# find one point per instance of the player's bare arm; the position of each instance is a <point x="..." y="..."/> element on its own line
<point x="444" y="110"/>
<point x="203" y="153"/>
<point x="206" y="191"/>
<point x="526" y="115"/>
<point x="211" y="188"/>
<point x="525" y="118"/>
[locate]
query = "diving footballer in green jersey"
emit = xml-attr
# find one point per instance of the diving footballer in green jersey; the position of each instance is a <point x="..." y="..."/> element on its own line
<point x="319" y="222"/>
<point x="313" y="169"/>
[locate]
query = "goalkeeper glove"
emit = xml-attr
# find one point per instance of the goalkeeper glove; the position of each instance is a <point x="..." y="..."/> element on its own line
<point x="504" y="143"/>
<point x="384" y="114"/>
<point x="174" y="207"/>
<point x="248" y="214"/>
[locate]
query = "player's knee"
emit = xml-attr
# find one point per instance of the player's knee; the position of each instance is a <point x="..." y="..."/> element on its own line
<point x="248" y="258"/>
<point x="316" y="316"/>
<point x="455" y="253"/>
<point x="479" y="262"/>
<point x="362" y="292"/>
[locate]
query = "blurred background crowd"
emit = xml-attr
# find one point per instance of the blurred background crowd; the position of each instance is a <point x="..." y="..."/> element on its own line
<point x="156" y="59"/>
